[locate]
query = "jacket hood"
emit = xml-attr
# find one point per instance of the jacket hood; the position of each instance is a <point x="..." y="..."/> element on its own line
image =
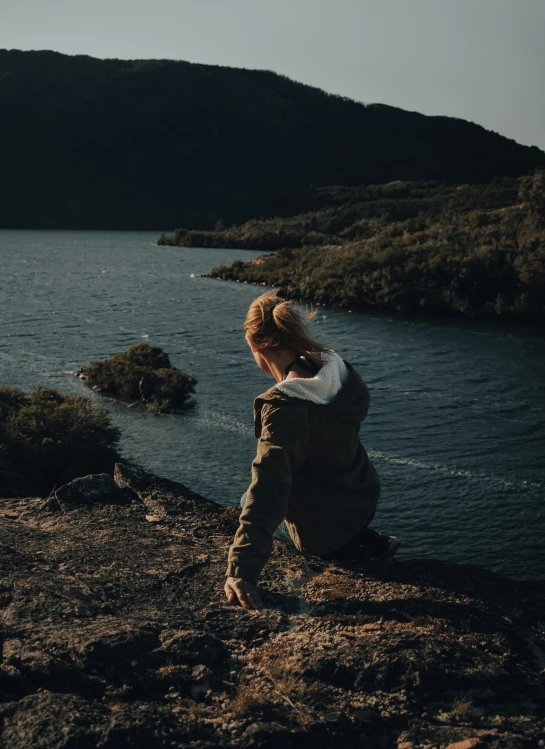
<point x="321" y="388"/>
<point x="337" y="387"/>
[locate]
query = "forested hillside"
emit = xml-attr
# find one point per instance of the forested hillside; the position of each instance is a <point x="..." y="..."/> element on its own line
<point x="90" y="143"/>
<point x="472" y="250"/>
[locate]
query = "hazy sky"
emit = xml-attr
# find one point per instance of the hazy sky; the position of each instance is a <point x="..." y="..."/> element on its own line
<point x="481" y="60"/>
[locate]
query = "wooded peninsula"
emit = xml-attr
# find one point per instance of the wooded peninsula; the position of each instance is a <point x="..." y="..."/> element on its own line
<point x="471" y="250"/>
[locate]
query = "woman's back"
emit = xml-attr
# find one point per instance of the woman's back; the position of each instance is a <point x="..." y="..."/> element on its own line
<point x="335" y="489"/>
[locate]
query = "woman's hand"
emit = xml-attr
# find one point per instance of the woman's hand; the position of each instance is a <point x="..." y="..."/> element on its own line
<point x="247" y="593"/>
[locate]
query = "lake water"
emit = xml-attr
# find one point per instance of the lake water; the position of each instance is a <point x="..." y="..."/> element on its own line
<point x="456" y="426"/>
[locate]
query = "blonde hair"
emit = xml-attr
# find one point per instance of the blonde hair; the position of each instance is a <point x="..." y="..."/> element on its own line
<point x="274" y="322"/>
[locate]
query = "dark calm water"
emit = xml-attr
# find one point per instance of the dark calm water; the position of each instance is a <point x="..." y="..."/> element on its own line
<point x="457" y="421"/>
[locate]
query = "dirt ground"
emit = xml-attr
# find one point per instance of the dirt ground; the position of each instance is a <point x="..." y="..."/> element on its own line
<point x="115" y="632"/>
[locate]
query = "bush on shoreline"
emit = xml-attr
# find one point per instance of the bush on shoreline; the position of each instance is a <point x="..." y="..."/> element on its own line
<point x="142" y="373"/>
<point x="48" y="439"/>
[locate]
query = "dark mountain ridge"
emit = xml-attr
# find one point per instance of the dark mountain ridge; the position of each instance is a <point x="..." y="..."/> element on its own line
<point x="88" y="143"/>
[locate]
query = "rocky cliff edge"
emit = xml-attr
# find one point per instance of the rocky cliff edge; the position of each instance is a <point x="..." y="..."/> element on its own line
<point x="115" y="632"/>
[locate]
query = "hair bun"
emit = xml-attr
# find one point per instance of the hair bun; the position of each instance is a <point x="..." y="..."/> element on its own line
<point x="276" y="322"/>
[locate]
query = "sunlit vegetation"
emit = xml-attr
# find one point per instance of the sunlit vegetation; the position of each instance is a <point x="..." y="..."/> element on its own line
<point x="349" y="213"/>
<point x="144" y="374"/>
<point x="48" y="439"/>
<point x="471" y="252"/>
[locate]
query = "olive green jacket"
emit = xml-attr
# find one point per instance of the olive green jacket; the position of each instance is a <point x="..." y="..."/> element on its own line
<point x="311" y="471"/>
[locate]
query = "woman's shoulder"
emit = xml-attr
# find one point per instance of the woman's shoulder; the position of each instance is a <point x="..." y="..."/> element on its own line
<point x="273" y="399"/>
<point x="275" y="407"/>
<point x="276" y="398"/>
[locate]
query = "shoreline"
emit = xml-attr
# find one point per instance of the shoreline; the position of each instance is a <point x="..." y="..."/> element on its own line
<point x="424" y="316"/>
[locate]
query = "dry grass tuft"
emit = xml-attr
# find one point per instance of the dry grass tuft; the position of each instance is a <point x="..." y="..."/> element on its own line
<point x="247" y="695"/>
<point x="172" y="675"/>
<point x="275" y="682"/>
<point x="461" y="707"/>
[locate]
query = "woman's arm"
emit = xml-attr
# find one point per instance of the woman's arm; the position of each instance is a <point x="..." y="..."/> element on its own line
<point x="281" y="449"/>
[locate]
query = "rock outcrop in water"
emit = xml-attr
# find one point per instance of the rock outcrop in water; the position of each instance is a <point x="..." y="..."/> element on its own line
<point x="115" y="632"/>
<point x="141" y="375"/>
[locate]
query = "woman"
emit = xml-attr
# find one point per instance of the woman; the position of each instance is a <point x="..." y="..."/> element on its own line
<point x="311" y="470"/>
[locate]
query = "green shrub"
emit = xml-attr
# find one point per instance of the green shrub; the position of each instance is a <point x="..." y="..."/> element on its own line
<point x="48" y="439"/>
<point x="142" y="373"/>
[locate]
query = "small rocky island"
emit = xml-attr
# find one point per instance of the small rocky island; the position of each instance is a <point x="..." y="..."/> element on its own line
<point x="115" y="632"/>
<point x="142" y="375"/>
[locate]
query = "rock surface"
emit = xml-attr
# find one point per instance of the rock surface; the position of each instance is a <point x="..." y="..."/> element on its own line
<point x="99" y="487"/>
<point x="114" y="632"/>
